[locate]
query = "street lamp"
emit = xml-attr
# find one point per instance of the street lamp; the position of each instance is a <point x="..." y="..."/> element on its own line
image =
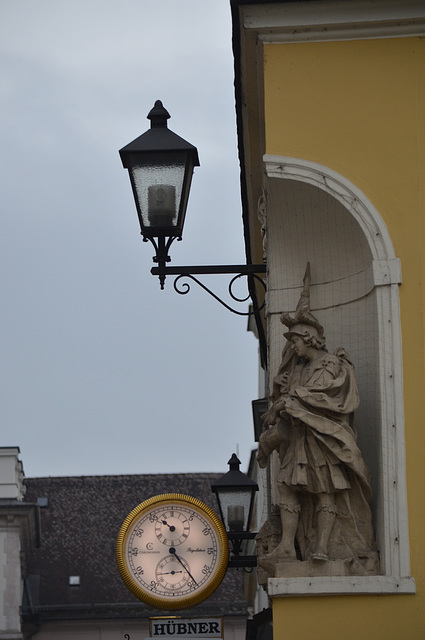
<point x="160" y="165"/>
<point x="235" y="493"/>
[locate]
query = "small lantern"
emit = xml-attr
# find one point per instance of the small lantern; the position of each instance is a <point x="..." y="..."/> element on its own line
<point x="160" y="165"/>
<point x="235" y="494"/>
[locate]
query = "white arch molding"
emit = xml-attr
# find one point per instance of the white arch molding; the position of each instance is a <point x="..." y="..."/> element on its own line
<point x="383" y="278"/>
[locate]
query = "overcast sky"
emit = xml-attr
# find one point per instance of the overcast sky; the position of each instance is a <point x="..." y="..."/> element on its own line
<point x="101" y="372"/>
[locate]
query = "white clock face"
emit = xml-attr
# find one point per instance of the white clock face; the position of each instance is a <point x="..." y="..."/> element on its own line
<point x="172" y="551"/>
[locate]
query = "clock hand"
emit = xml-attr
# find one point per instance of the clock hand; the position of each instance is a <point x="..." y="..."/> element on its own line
<point x="171" y="527"/>
<point x="173" y="552"/>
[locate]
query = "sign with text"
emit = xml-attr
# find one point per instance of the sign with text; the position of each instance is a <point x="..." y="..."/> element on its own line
<point x="186" y="628"/>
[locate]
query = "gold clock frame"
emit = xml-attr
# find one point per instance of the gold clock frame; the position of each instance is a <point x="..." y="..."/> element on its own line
<point x="164" y="602"/>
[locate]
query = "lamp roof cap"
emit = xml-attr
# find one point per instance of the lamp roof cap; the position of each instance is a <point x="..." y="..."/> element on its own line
<point x="159" y="139"/>
<point x="234" y="479"/>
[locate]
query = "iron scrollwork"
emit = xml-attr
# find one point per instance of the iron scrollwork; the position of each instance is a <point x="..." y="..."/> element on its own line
<point x="184" y="287"/>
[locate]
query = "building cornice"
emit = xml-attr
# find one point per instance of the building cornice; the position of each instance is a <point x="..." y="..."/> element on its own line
<point x="333" y="20"/>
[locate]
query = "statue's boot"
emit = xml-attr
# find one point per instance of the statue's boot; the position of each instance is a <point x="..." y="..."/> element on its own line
<point x="326" y="514"/>
<point x="285" y="550"/>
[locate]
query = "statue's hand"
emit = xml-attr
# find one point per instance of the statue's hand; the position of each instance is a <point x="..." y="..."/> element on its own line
<point x="261" y="457"/>
<point x="270" y="440"/>
<point x="272" y="415"/>
<point x="280" y="406"/>
<point x="284" y="385"/>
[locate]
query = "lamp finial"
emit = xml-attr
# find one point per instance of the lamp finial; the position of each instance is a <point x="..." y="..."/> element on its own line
<point x="158" y="115"/>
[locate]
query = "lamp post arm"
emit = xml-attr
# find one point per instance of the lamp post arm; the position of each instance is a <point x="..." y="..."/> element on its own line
<point x="240" y="269"/>
<point x="249" y="270"/>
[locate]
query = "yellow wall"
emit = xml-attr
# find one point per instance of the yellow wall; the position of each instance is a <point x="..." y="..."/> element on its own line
<point x="359" y="108"/>
<point x="349" y="618"/>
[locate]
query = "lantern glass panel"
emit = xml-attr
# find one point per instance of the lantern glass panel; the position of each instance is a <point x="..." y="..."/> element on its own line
<point x="235" y="507"/>
<point x="159" y="191"/>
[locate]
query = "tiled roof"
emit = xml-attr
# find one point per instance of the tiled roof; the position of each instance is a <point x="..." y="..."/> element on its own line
<point x="79" y="527"/>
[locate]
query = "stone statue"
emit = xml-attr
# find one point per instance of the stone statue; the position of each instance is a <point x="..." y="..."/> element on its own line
<point x="323" y="483"/>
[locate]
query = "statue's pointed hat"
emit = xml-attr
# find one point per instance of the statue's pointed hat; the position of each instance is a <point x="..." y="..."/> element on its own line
<point x="303" y="319"/>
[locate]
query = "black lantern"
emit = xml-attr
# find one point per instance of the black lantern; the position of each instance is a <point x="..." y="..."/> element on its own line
<point x="235" y="494"/>
<point x="160" y="164"/>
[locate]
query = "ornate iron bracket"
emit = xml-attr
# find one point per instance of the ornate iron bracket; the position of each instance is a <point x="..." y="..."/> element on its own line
<point x="161" y="258"/>
<point x="249" y="270"/>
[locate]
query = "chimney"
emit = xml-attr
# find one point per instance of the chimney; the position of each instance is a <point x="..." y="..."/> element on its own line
<point x="11" y="474"/>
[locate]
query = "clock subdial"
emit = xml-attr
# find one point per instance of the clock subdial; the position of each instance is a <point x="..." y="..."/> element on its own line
<point x="172" y="527"/>
<point x="173" y="574"/>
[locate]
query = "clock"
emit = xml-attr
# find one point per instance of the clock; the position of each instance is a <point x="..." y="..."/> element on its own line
<point x="172" y="551"/>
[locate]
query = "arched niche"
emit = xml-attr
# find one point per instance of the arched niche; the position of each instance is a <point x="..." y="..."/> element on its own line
<point x="314" y="214"/>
